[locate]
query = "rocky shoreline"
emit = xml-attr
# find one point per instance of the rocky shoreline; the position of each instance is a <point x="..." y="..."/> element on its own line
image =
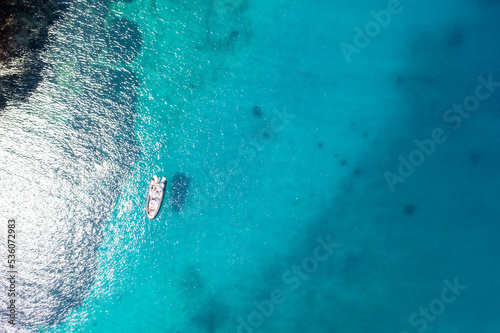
<point x="24" y="32"/>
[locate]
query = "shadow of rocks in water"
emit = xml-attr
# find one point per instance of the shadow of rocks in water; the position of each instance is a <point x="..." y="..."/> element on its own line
<point x="257" y="112"/>
<point x="409" y="210"/>
<point x="206" y="310"/>
<point x="474" y="157"/>
<point x="117" y="85"/>
<point x="24" y="27"/>
<point x="91" y="153"/>
<point x="455" y="38"/>
<point x="211" y="316"/>
<point x="227" y="24"/>
<point x="124" y="40"/>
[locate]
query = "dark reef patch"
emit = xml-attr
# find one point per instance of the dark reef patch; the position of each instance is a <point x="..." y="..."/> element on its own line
<point x="409" y="210"/>
<point x="352" y="266"/>
<point x="180" y="185"/>
<point x="399" y="80"/>
<point x="191" y="281"/>
<point x="257" y="111"/>
<point x="24" y="27"/>
<point x="227" y="25"/>
<point x="124" y="40"/>
<point x="95" y="142"/>
<point x="474" y="157"/>
<point x="455" y="38"/>
<point x="118" y="85"/>
<point x="125" y="84"/>
<point x="211" y="316"/>
<point x="100" y="82"/>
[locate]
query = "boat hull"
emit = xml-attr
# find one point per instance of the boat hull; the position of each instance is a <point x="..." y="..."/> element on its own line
<point x="156" y="192"/>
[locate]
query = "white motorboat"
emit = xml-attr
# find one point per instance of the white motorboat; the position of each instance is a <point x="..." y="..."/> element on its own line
<point x="156" y="193"/>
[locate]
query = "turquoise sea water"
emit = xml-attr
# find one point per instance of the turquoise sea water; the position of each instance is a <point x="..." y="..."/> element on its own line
<point x="286" y="143"/>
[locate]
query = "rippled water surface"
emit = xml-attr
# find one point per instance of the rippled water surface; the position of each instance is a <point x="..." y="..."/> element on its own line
<point x="274" y="142"/>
